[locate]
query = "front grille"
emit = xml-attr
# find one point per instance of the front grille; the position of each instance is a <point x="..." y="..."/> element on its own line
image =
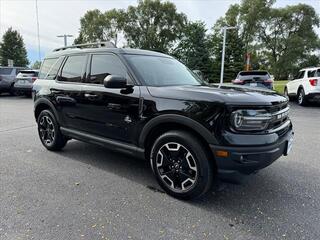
<point x="280" y="118"/>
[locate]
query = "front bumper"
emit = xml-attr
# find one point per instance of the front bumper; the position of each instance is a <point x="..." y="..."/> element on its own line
<point x="246" y="160"/>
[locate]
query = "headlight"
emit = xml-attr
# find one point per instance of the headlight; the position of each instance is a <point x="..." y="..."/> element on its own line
<point x="250" y="120"/>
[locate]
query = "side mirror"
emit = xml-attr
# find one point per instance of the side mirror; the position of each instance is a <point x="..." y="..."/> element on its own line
<point x="115" y="81"/>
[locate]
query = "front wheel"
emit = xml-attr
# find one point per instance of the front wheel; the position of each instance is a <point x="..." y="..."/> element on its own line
<point x="12" y="91"/>
<point x="49" y="131"/>
<point x="181" y="165"/>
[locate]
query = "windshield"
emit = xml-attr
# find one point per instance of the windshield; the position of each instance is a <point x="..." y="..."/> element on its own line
<point x="162" y="71"/>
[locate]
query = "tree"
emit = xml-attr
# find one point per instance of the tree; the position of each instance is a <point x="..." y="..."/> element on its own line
<point x="153" y="25"/>
<point x="250" y="13"/>
<point x="192" y="48"/>
<point x="287" y="37"/>
<point x="36" y="65"/>
<point x="97" y="26"/>
<point x="280" y="40"/>
<point x="12" y="47"/>
<point x="234" y="52"/>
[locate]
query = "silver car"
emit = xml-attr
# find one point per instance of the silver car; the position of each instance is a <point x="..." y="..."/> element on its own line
<point x="24" y="82"/>
<point x="8" y="78"/>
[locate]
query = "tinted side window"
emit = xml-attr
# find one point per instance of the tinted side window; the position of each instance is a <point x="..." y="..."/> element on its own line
<point x="311" y="73"/>
<point x="300" y="75"/>
<point x="104" y="65"/>
<point x="6" y="71"/>
<point x="73" y="69"/>
<point x="49" y="68"/>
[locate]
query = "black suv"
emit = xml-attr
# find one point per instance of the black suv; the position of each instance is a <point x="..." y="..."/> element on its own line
<point x="151" y="106"/>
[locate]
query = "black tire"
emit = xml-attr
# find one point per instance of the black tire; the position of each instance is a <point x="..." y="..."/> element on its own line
<point x="12" y="91"/>
<point x="49" y="131"/>
<point x="301" y="98"/>
<point x="189" y="169"/>
<point x="286" y="94"/>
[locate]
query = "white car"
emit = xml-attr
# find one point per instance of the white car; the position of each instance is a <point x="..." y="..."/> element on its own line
<point x="305" y="86"/>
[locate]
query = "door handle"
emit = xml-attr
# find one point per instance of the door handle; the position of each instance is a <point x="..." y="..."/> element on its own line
<point x="90" y="95"/>
<point x="55" y="91"/>
<point x="66" y="100"/>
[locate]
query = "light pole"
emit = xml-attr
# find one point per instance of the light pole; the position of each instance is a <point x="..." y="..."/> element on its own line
<point x="38" y="30"/>
<point x="65" y="36"/>
<point x="224" y="29"/>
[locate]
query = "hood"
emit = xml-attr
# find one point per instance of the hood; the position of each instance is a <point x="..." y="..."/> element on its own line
<point x="225" y="94"/>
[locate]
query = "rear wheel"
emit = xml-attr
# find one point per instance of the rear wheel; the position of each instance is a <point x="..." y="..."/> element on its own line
<point x="286" y="94"/>
<point x="302" y="101"/>
<point x="49" y="132"/>
<point x="181" y="165"/>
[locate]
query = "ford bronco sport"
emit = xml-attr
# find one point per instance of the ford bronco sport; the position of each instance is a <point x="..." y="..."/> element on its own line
<point x="150" y="105"/>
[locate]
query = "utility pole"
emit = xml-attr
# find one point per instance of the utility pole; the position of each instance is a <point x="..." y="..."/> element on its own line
<point x="65" y="37"/>
<point x="224" y="29"/>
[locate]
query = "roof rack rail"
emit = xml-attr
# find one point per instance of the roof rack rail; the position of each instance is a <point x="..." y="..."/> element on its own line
<point x="94" y="45"/>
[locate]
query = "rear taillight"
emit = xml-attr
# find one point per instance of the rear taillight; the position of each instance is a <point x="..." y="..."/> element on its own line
<point x="268" y="81"/>
<point x="238" y="81"/>
<point x="313" y="82"/>
<point x="34" y="78"/>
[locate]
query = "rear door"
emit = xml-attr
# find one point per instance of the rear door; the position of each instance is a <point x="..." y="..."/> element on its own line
<point x="110" y="113"/>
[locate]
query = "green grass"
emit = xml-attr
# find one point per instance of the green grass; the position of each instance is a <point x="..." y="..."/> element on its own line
<point x="279" y="85"/>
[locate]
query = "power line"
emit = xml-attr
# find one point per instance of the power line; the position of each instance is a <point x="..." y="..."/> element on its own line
<point x="38" y="29"/>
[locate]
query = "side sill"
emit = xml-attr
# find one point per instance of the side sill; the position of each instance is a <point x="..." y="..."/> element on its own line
<point x="105" y="142"/>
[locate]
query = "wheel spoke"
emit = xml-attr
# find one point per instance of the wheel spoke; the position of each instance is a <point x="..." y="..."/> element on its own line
<point x="176" y="166"/>
<point x="46" y="130"/>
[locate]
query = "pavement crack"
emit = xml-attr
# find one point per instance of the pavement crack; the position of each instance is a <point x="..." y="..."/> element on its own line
<point x="18" y="128"/>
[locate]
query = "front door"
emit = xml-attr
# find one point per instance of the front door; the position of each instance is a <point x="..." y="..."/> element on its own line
<point x="295" y="83"/>
<point x="67" y="91"/>
<point x="110" y="113"/>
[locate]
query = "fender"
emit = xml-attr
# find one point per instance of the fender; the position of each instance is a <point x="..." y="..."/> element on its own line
<point x="179" y="119"/>
<point x="49" y="104"/>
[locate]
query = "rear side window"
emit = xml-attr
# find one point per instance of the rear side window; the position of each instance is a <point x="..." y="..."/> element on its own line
<point x="49" y="68"/>
<point x="73" y="69"/>
<point x="103" y="65"/>
<point x="5" y="71"/>
<point x="311" y="73"/>
<point x="300" y="75"/>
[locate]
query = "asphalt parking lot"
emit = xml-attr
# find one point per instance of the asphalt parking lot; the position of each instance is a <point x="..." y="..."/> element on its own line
<point x="88" y="192"/>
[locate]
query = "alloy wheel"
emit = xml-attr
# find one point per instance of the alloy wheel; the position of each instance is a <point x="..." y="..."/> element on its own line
<point x="46" y="129"/>
<point x="177" y="167"/>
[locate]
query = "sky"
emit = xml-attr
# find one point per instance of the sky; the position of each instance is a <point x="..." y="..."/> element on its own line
<point x="63" y="17"/>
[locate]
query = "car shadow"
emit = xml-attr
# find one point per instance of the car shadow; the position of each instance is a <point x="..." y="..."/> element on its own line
<point x="124" y="165"/>
<point x="264" y="199"/>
